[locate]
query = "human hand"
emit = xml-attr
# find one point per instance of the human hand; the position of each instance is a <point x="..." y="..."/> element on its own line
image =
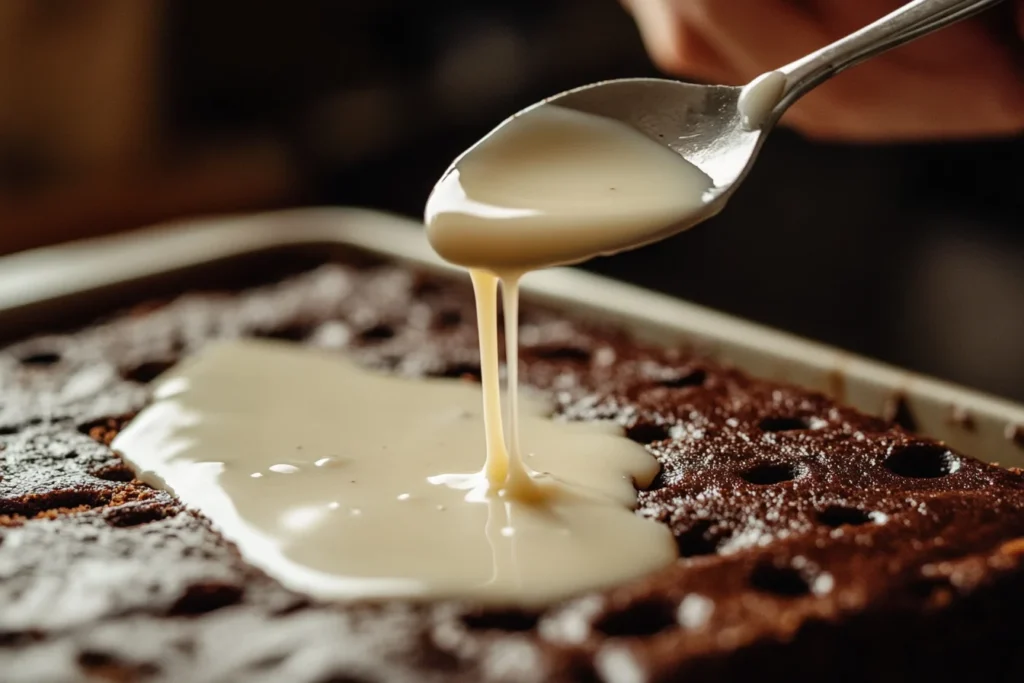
<point x="966" y="80"/>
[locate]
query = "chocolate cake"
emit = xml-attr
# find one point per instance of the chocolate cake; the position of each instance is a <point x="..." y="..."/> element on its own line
<point x="816" y="543"/>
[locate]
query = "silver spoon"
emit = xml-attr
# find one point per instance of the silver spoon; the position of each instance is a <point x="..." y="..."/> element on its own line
<point x="705" y="124"/>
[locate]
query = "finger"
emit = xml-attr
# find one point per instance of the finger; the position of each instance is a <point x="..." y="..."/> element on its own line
<point x="674" y="46"/>
<point x="843" y="18"/>
<point x="754" y="36"/>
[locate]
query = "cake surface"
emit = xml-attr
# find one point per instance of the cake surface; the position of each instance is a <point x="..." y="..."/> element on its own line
<point x="816" y="543"/>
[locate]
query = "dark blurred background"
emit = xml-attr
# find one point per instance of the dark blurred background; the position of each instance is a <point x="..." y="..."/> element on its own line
<point x="117" y="113"/>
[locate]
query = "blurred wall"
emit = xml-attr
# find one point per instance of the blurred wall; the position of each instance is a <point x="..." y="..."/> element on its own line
<point x="123" y="112"/>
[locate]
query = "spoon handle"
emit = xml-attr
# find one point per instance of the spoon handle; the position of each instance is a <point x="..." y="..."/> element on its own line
<point x="914" y="19"/>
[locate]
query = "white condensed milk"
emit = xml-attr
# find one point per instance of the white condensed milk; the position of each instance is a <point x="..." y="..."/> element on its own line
<point x="550" y="186"/>
<point x="554" y="186"/>
<point x="344" y="483"/>
<point x="759" y="97"/>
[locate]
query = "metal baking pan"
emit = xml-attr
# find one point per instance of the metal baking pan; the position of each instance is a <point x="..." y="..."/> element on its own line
<point x="64" y="286"/>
